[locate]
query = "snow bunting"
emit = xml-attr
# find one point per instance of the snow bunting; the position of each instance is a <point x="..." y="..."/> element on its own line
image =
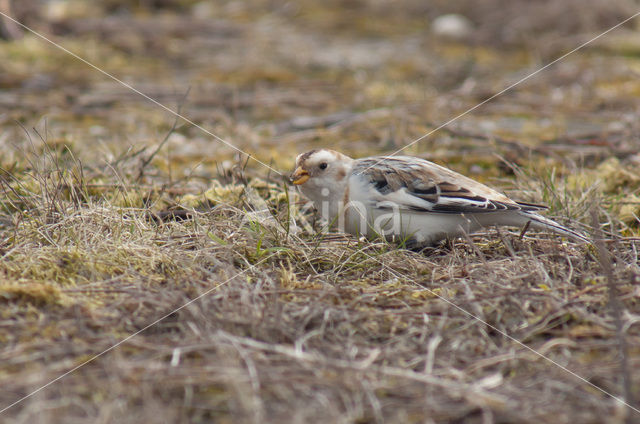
<point x="407" y="198"/>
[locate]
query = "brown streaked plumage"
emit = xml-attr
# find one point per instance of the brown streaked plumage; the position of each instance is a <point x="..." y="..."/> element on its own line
<point x="432" y="182"/>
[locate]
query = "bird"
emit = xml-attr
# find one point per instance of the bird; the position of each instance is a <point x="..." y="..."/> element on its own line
<point x="406" y="198"/>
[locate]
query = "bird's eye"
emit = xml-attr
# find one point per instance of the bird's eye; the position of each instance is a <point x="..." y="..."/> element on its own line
<point x="323" y="165"/>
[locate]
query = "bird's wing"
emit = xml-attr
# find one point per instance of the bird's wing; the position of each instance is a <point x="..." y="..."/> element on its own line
<point x="416" y="184"/>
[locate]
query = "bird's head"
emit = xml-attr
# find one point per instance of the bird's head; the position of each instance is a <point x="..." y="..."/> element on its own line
<point x="321" y="169"/>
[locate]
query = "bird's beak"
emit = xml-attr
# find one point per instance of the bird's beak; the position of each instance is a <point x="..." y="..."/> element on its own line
<point x="299" y="176"/>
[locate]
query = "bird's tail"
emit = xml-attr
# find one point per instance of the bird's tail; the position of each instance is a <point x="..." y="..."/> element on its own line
<point x="541" y="223"/>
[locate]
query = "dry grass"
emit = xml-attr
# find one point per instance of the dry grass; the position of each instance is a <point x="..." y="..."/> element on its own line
<point x="102" y="233"/>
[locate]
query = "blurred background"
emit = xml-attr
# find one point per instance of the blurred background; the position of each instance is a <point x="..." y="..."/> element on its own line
<point x="361" y="76"/>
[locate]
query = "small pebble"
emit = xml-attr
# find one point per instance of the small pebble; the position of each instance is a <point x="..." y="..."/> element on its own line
<point x="452" y="26"/>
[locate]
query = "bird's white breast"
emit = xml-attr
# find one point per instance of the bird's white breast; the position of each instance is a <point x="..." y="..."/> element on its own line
<point x="368" y="213"/>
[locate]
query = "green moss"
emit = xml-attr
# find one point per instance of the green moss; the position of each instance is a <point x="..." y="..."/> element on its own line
<point x="34" y="293"/>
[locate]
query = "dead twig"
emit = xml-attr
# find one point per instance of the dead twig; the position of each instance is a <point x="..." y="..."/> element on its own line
<point x="145" y="162"/>
<point x="604" y="258"/>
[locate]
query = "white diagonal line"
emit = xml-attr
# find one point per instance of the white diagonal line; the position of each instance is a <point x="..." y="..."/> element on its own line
<point x="135" y="90"/>
<point x="96" y="356"/>
<point x="520" y="81"/>
<point x="477" y="318"/>
<point x="264" y="164"/>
